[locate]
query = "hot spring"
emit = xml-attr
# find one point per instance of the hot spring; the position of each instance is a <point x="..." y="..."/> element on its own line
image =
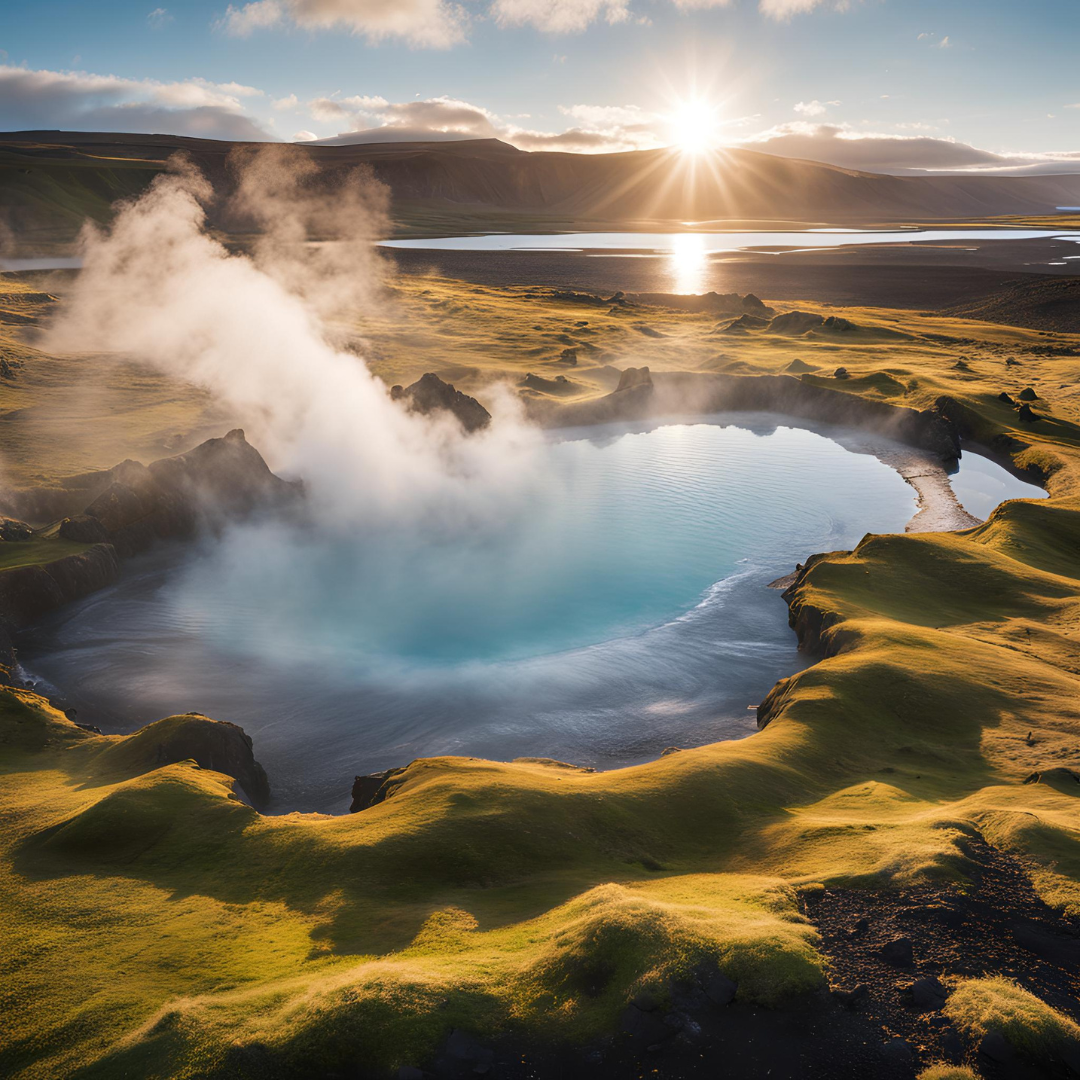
<point x="616" y="606"/>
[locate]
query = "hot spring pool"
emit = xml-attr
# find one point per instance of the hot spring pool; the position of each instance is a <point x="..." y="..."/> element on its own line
<point x="616" y="607"/>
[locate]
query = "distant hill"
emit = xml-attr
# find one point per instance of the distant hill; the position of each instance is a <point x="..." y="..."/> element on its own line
<point x="50" y="181"/>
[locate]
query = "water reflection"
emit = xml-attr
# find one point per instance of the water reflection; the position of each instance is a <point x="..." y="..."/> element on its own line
<point x="689" y="262"/>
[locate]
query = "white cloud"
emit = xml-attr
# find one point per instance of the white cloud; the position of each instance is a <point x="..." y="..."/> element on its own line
<point x="559" y="16"/>
<point x="289" y="102"/>
<point x="786" y="9"/>
<point x="84" y="101"/>
<point x="428" y="23"/>
<point x="305" y="136"/>
<point x="814" y="108"/>
<point x="159" y="18"/>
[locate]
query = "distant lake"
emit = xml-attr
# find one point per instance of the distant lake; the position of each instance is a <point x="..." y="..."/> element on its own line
<point x="684" y="261"/>
<point x="709" y="243"/>
<point x="688" y="252"/>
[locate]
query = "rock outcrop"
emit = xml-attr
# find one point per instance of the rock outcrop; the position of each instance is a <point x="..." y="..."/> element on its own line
<point x="429" y="394"/>
<point x="12" y="531"/>
<point x="796" y="322"/>
<point x="213" y="744"/>
<point x="166" y="499"/>
<point x="368" y="791"/>
<point x="634" y="379"/>
<point x="132" y="506"/>
<point x="743" y="324"/>
<point x="29" y="592"/>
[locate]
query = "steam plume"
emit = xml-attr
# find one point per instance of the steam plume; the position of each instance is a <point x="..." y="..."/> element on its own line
<point x="255" y="330"/>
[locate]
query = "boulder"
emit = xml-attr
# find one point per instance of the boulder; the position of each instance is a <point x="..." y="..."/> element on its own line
<point x="14" y="531"/>
<point x="855" y="998"/>
<point x="841" y="373"/>
<point x="928" y="994"/>
<point x="1027" y="414"/>
<point x="837" y="324"/>
<point x="1027" y="394"/>
<point x="898" y="953"/>
<point x="1005" y="397"/>
<point x="429" y="394"/>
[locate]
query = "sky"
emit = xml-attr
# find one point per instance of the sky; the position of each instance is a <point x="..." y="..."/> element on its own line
<point x="879" y="84"/>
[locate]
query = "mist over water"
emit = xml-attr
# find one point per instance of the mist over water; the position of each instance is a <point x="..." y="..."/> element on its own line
<point x="616" y="608"/>
<point x="594" y="597"/>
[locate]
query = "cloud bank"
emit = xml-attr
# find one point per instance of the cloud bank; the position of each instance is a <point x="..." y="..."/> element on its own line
<point x="440" y="24"/>
<point x="78" y="100"/>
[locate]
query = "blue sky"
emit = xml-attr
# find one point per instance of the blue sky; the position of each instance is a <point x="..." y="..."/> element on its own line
<point x="789" y="75"/>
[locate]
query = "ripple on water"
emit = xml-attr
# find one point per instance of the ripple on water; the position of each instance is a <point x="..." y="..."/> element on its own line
<point x="616" y="608"/>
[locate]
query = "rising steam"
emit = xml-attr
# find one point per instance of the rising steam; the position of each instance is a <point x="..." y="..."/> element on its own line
<point x="258" y="332"/>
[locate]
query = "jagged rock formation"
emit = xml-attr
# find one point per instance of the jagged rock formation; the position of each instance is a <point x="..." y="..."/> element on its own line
<point x="430" y="394"/>
<point x="131" y="507"/>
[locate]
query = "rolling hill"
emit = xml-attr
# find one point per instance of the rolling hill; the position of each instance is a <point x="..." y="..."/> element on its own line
<point x="50" y="181"/>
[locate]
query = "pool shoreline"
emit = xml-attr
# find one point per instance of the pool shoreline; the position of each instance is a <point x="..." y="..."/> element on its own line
<point x="938" y="507"/>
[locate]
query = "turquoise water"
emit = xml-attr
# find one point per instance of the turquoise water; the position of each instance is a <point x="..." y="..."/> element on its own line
<point x="616" y="606"/>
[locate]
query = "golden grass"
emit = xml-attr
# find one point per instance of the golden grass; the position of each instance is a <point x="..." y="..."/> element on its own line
<point x="152" y="925"/>
<point x="979" y="1006"/>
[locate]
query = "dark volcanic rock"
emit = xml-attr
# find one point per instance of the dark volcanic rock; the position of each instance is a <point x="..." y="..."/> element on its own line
<point x="84" y="529"/>
<point x="1027" y="414"/>
<point x="226" y="477"/>
<point x="1027" y="394"/>
<point x="14" y="531"/>
<point x="841" y="373"/>
<point x="897" y="952"/>
<point x="929" y="993"/>
<point x="855" y="998"/>
<point x="367" y="791"/>
<point x="28" y="592"/>
<point x="430" y="394"/>
<point x="1005" y="397"/>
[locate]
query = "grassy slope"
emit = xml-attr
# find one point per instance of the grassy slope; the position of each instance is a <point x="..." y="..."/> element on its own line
<point x="152" y="924"/>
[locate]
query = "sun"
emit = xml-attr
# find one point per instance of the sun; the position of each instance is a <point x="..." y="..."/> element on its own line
<point x="694" y="126"/>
